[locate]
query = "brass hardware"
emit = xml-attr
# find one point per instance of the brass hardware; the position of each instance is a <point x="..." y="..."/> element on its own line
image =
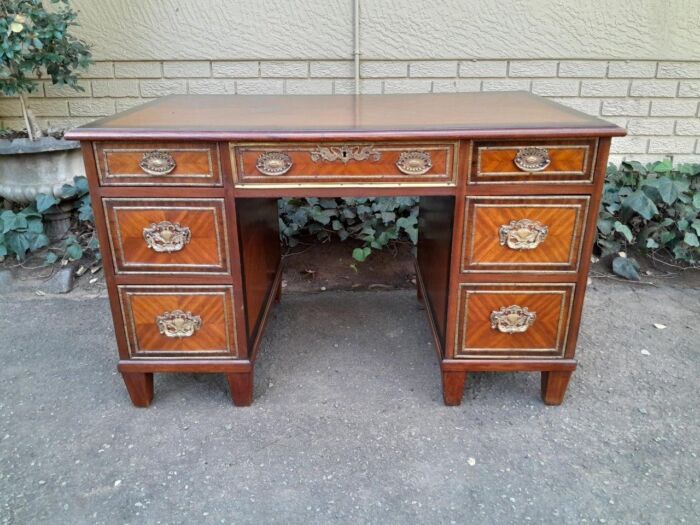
<point x="273" y="163"/>
<point x="157" y="163"/>
<point x="345" y="153"/>
<point x="414" y="162"/>
<point x="512" y="319"/>
<point x="178" y="323"/>
<point x="523" y="234"/>
<point x="166" y="236"/>
<point x="532" y="159"/>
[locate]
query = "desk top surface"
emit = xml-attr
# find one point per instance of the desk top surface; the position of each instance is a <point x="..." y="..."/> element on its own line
<point x="291" y="117"/>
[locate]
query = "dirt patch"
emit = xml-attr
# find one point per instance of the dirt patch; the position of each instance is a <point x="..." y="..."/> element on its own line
<point x="314" y="267"/>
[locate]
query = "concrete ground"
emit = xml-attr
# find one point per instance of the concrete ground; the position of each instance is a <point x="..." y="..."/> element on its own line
<point x="348" y="424"/>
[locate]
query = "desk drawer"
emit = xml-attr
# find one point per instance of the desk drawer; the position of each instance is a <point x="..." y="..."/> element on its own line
<point x="345" y="164"/>
<point x="158" y="163"/>
<point x="512" y="320"/>
<point x="184" y="321"/>
<point x="533" y="162"/>
<point x="523" y="234"/>
<point x="167" y="235"/>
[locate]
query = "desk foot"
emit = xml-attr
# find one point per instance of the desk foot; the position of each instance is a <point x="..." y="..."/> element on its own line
<point x="241" y="385"/>
<point x="419" y="293"/>
<point x="140" y="387"/>
<point x="453" y="387"/>
<point x="278" y="292"/>
<point x="554" y="387"/>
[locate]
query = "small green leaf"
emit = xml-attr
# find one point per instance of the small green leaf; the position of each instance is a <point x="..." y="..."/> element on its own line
<point x="626" y="267"/>
<point x="667" y="190"/>
<point x="361" y="254"/>
<point x="74" y="252"/>
<point x="624" y="230"/>
<point x="640" y="203"/>
<point x="50" y="258"/>
<point x="662" y="167"/>
<point x="691" y="239"/>
<point x="44" y="202"/>
<point x="651" y="243"/>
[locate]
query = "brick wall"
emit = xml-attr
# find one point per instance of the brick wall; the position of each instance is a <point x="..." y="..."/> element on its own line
<point x="656" y="101"/>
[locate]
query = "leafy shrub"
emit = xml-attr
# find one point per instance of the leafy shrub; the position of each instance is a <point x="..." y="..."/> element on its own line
<point x="38" y="41"/>
<point x="652" y="207"/>
<point x="22" y="229"/>
<point x="374" y="221"/>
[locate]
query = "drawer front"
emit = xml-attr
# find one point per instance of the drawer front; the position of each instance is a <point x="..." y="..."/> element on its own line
<point x="344" y="164"/>
<point x="151" y="236"/>
<point x="184" y="321"/>
<point x="513" y="321"/>
<point x="158" y="163"/>
<point x="532" y="162"/>
<point x="523" y="234"/>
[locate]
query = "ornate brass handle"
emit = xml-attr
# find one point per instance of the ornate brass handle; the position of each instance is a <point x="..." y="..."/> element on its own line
<point x="178" y="323"/>
<point x="512" y="319"/>
<point x="532" y="159"/>
<point x="166" y="236"/>
<point x="345" y="153"/>
<point x="157" y="163"/>
<point x="273" y="163"/>
<point x="414" y="162"/>
<point x="523" y="234"/>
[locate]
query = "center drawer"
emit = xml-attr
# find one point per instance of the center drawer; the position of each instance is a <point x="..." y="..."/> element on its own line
<point x="152" y="236"/>
<point x="344" y="164"/>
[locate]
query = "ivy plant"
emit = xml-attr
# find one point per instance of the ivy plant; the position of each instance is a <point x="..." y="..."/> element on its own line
<point x="374" y="221"/>
<point x="35" y="41"/>
<point x="653" y="207"/>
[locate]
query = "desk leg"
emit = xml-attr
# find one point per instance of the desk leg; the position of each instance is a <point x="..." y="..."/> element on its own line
<point x="453" y="387"/>
<point x="554" y="386"/>
<point x="140" y="387"/>
<point x="241" y="384"/>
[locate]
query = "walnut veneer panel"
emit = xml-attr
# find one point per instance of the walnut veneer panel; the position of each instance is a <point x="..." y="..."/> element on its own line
<point x="477" y="337"/>
<point x="201" y="221"/>
<point x="488" y="220"/>
<point x="353" y="163"/>
<point x="569" y="161"/>
<point x="212" y="305"/>
<point x="195" y="163"/>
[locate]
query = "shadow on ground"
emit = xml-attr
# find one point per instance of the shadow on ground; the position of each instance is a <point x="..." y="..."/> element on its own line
<point x="348" y="424"/>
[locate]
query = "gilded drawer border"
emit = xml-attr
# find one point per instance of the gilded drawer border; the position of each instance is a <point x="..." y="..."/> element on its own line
<point x="532" y="266"/>
<point x="104" y="177"/>
<point x="476" y="177"/>
<point x="129" y="325"/>
<point x="223" y="248"/>
<point x="449" y="180"/>
<point x="505" y="289"/>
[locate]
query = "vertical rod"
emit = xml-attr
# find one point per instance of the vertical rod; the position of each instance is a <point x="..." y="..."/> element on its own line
<point x="356" y="5"/>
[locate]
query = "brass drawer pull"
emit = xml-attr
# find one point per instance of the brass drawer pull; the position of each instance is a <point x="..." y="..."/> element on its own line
<point x="178" y="324"/>
<point x="345" y="153"/>
<point x="166" y="236"/>
<point x="414" y="162"/>
<point x="512" y="319"/>
<point x="273" y="163"/>
<point x="157" y="163"/>
<point x="532" y="159"/>
<point x="523" y="234"/>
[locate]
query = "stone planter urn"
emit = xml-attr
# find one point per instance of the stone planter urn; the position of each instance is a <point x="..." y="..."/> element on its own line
<point x="28" y="168"/>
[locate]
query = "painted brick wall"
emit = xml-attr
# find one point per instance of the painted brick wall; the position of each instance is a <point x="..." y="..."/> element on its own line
<point x="657" y="101"/>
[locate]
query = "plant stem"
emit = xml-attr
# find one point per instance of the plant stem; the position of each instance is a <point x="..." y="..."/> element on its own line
<point x="25" y="114"/>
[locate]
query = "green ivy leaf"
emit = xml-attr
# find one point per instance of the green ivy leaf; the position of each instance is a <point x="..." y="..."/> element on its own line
<point x="361" y="254"/>
<point x="651" y="243"/>
<point x="640" y="203"/>
<point x="626" y="267"/>
<point x="624" y="230"/>
<point x="74" y="252"/>
<point x="44" y="202"/>
<point x="667" y="190"/>
<point x="662" y="166"/>
<point x="50" y="258"/>
<point x="691" y="239"/>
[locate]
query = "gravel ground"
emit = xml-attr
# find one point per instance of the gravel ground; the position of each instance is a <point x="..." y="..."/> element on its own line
<point x="348" y="424"/>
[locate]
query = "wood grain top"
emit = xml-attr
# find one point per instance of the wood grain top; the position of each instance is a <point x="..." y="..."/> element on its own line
<point x="291" y="117"/>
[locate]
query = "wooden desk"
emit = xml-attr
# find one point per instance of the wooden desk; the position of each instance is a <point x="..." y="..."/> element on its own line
<point x="185" y="188"/>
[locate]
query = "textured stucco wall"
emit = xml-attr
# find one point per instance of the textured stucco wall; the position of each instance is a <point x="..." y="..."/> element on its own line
<point x="391" y="29"/>
<point x="633" y="62"/>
